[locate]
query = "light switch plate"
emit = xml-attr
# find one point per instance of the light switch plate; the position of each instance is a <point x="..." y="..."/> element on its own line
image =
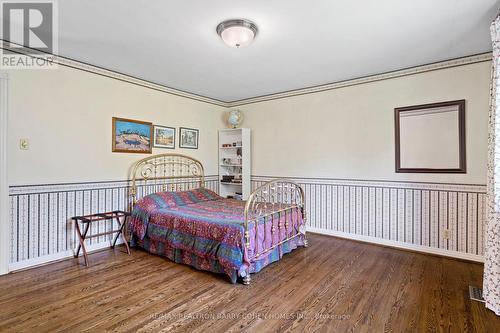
<point x="24" y="144"/>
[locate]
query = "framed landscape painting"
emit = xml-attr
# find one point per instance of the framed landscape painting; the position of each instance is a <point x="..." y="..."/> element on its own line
<point x="188" y="138"/>
<point x="164" y="137"/>
<point x="132" y="136"/>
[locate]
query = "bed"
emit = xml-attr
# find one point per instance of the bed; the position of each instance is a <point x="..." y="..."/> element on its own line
<point x="173" y="215"/>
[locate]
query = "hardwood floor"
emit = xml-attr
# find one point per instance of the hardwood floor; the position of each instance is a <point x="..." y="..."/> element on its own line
<point x="334" y="285"/>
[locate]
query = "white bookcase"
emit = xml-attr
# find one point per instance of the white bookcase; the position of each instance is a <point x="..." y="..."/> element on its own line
<point x="235" y="163"/>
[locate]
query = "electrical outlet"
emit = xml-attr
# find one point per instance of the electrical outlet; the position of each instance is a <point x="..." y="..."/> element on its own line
<point x="24" y="144"/>
<point x="446" y="234"/>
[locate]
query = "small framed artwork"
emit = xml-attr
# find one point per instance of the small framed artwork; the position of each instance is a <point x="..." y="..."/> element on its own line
<point x="132" y="136"/>
<point x="164" y="137"/>
<point x="188" y="138"/>
<point x="430" y="138"/>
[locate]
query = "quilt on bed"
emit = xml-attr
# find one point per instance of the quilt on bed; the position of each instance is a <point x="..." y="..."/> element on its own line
<point x="206" y="231"/>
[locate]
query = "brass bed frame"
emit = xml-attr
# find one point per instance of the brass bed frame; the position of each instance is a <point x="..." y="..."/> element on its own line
<point x="176" y="172"/>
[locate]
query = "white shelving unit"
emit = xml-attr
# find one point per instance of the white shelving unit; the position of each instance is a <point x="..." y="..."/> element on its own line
<point x="235" y="161"/>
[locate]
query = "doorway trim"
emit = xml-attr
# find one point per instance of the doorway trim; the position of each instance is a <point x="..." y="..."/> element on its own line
<point x="4" y="186"/>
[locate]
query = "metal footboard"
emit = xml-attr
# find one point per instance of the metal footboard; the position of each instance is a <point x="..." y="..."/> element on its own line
<point x="276" y="197"/>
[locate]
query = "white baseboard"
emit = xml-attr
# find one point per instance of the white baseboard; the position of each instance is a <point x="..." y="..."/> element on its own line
<point x="373" y="240"/>
<point x="399" y="245"/>
<point x="57" y="256"/>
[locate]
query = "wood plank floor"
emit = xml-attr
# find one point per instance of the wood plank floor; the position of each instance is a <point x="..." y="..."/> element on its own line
<point x="334" y="285"/>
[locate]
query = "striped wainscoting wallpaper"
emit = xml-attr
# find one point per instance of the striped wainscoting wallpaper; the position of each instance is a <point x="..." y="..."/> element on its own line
<point x="444" y="219"/>
<point x="41" y="229"/>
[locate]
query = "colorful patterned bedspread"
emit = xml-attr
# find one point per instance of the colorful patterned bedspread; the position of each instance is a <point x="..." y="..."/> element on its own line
<point x="208" y="231"/>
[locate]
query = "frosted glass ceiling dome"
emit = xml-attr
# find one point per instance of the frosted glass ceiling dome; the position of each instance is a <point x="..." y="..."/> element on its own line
<point x="237" y="33"/>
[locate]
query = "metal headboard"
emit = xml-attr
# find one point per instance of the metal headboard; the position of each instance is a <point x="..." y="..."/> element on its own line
<point x="164" y="172"/>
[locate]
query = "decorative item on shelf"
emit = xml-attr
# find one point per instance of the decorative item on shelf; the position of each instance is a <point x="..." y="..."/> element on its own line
<point x="132" y="136"/>
<point x="227" y="178"/>
<point x="237" y="144"/>
<point x="232" y="161"/>
<point x="164" y="137"/>
<point x="234" y="118"/>
<point x="231" y="179"/>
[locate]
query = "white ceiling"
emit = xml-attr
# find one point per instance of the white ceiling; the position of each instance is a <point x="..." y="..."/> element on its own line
<point x="300" y="43"/>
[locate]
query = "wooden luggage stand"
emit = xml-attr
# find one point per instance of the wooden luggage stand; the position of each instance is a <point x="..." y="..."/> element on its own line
<point x="119" y="216"/>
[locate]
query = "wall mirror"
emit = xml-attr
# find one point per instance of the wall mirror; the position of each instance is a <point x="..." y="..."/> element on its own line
<point x="430" y="138"/>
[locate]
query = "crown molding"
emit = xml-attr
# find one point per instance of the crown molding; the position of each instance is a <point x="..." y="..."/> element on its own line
<point x="483" y="57"/>
<point x="137" y="81"/>
<point x="79" y="65"/>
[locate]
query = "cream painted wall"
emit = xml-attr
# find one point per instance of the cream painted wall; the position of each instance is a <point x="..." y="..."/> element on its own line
<point x="349" y="132"/>
<point x="341" y="133"/>
<point x="66" y="114"/>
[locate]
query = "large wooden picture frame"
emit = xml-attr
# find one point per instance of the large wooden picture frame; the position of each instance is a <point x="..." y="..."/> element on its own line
<point x="132" y="136"/>
<point x="430" y="138"/>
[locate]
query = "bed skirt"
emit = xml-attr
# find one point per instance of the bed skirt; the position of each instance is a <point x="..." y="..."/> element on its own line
<point x="212" y="265"/>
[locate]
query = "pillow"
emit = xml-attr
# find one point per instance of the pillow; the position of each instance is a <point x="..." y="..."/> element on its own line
<point x="174" y="199"/>
<point x="149" y="204"/>
<point x="202" y="194"/>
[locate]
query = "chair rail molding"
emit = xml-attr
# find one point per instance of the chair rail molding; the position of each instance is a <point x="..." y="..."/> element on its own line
<point x="4" y="218"/>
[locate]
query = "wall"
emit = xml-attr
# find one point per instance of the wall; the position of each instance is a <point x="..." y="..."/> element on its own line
<point x="338" y="144"/>
<point x="66" y="114"/>
<point x="69" y="169"/>
<point x="343" y="140"/>
<point x="349" y="132"/>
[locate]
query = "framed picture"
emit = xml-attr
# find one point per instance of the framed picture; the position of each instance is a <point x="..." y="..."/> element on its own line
<point x="132" y="136"/>
<point x="188" y="138"/>
<point x="430" y="138"/>
<point x="164" y="137"/>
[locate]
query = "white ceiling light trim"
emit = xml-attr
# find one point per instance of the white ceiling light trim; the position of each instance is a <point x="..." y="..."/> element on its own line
<point x="237" y="32"/>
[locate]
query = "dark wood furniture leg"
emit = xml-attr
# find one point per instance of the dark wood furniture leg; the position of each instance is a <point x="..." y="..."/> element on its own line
<point x="121" y="226"/>
<point x="81" y="239"/>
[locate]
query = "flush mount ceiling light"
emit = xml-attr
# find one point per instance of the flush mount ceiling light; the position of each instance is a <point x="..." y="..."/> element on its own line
<point x="237" y="33"/>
